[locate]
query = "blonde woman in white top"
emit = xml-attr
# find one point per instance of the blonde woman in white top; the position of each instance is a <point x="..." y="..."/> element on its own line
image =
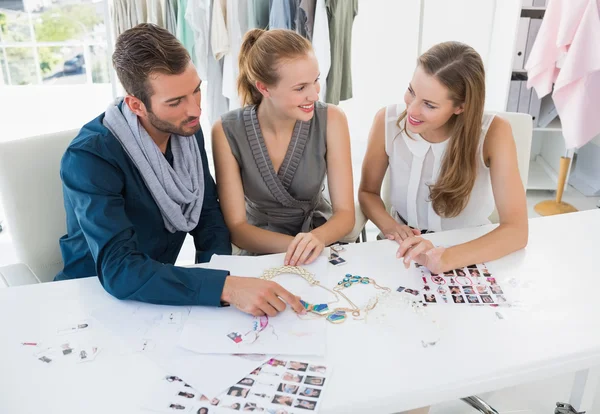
<point x="449" y="164"/>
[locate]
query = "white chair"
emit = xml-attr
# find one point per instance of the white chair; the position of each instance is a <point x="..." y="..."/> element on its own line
<point x="522" y="129"/>
<point x="31" y="194"/>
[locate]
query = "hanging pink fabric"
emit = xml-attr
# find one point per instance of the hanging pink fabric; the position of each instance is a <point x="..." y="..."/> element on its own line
<point x="566" y="53"/>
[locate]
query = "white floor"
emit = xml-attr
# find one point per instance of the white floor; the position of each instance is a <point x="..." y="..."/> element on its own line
<point x="534" y="398"/>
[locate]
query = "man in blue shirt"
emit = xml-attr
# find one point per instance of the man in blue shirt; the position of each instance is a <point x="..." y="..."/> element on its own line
<point x="136" y="181"/>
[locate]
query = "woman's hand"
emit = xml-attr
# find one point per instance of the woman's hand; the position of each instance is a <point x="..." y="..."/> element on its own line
<point x="399" y="232"/>
<point x="304" y="249"/>
<point x="424" y="253"/>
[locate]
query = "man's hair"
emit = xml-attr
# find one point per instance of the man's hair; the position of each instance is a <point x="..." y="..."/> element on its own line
<point x="144" y="50"/>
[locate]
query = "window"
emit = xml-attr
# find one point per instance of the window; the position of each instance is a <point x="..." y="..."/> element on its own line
<point x="55" y="71"/>
<point x="45" y="42"/>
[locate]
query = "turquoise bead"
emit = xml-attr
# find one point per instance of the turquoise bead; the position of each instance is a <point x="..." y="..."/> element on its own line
<point x="305" y="304"/>
<point x="347" y="284"/>
<point x="320" y="308"/>
<point x="348" y="275"/>
<point x="346" y="279"/>
<point x="340" y="283"/>
<point x="365" y="281"/>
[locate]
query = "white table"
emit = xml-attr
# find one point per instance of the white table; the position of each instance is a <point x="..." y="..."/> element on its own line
<point x="376" y="369"/>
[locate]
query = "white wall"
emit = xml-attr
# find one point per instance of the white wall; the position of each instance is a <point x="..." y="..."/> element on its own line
<point x="385" y="43"/>
<point x="384" y="52"/>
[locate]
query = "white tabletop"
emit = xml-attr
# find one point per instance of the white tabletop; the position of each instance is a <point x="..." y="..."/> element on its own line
<point x="377" y="367"/>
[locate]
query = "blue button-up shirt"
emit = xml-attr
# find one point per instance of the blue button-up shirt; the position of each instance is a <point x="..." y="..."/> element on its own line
<point x="116" y="231"/>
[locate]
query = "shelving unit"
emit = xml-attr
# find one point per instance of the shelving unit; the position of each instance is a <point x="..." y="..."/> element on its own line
<point x="547" y="144"/>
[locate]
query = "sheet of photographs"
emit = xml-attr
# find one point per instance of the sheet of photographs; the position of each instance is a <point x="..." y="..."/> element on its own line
<point x="473" y="285"/>
<point x="277" y="387"/>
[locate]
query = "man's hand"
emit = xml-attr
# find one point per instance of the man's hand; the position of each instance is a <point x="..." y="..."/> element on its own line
<point x="258" y="297"/>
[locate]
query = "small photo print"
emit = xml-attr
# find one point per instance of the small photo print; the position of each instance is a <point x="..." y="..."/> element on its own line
<point x="256" y="371"/>
<point x="496" y="290"/>
<point x="202" y="410"/>
<point x="185" y="394"/>
<point x="276" y="362"/>
<point x="337" y="261"/>
<point x="238" y="391"/>
<point x="246" y="381"/>
<point x="460" y="272"/>
<point x="438" y="280"/>
<point x="449" y="273"/>
<point x="458" y="299"/>
<point x="319" y="369"/>
<point x="491" y="280"/>
<point x="235" y="406"/>
<point x="45" y="359"/>
<point x="485" y="272"/>
<point x="283" y="400"/>
<point x="442" y="290"/>
<point x="473" y="299"/>
<point x="318" y="381"/>
<point x="251" y="406"/>
<point x="455" y="290"/>
<point x="400" y="288"/>
<point x="235" y="337"/>
<point x="66" y="349"/>
<point x="292" y="377"/>
<point x="430" y="298"/>
<point x="310" y="392"/>
<point x="173" y="378"/>
<point x="305" y="404"/>
<point x="487" y="299"/>
<point x="297" y="366"/>
<point x="426" y="288"/>
<point x="474" y="272"/>
<point x="468" y="290"/>
<point x="473" y="266"/>
<point x="263" y="395"/>
<point x="177" y="407"/>
<point x="482" y="289"/>
<point x="412" y="291"/>
<point x="288" y="388"/>
<point x="500" y="298"/>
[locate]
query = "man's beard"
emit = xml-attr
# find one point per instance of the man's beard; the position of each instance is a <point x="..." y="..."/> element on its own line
<point x="172" y="129"/>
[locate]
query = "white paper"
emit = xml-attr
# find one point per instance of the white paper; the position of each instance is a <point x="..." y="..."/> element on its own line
<point x="210" y="330"/>
<point x="283" y="385"/>
<point x="146" y="329"/>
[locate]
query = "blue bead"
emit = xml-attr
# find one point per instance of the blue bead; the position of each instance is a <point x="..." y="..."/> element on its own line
<point x="365" y="282"/>
<point x="347" y="284"/>
<point x="348" y="275"/>
<point x="346" y="279"/>
<point x="320" y="308"/>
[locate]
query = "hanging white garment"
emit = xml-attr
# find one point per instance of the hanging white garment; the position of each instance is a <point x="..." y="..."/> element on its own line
<point x="217" y="104"/>
<point x="415" y="164"/>
<point x="198" y="18"/>
<point x="219" y="38"/>
<point x="237" y="25"/>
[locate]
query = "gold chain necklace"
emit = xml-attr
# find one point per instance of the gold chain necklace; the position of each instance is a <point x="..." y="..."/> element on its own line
<point x="338" y="314"/>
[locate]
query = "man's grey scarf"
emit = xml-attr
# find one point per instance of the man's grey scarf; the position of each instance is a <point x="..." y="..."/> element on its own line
<point x="179" y="190"/>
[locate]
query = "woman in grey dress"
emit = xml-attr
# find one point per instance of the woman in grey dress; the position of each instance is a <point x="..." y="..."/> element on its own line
<point x="272" y="155"/>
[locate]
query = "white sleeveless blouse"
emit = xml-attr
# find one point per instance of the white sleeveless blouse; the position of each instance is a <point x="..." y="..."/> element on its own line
<point x="414" y="163"/>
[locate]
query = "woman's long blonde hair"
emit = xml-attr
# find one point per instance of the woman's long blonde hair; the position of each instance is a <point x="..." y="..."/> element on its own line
<point x="261" y="52"/>
<point x="460" y="68"/>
